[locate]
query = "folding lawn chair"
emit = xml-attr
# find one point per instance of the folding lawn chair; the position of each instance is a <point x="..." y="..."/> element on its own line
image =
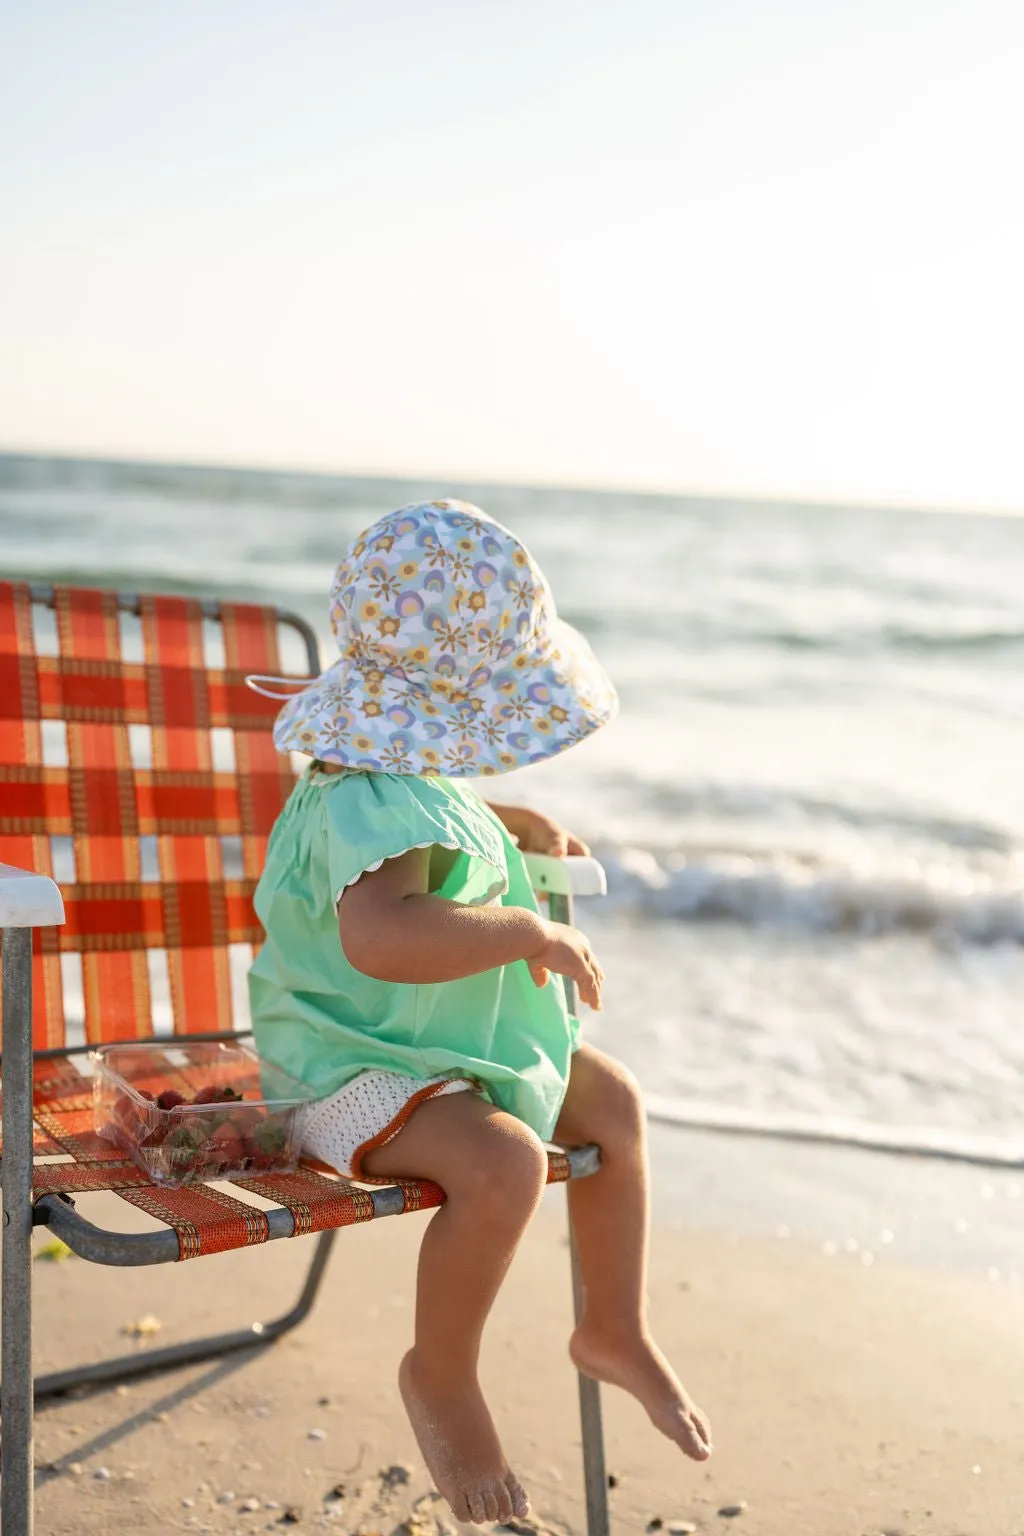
<point x="137" y="768"/>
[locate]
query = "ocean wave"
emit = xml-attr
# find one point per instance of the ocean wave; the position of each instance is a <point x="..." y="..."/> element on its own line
<point x="733" y="629"/>
<point x="678" y="801"/>
<point x="950" y="907"/>
<point x="885" y="637"/>
<point x="131" y="579"/>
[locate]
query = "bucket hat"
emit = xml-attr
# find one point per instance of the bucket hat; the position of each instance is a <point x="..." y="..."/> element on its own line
<point x="452" y="658"/>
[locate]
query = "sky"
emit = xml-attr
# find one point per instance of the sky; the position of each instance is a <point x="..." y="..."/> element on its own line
<point x="768" y="247"/>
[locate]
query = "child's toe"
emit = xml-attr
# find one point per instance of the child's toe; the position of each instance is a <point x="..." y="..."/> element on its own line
<point x="699" y="1446"/>
<point x="520" y="1502"/>
<point x="460" y="1507"/>
<point x="504" y="1497"/>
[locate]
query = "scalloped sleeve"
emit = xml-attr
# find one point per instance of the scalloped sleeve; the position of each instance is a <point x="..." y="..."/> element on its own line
<point x="371" y="817"/>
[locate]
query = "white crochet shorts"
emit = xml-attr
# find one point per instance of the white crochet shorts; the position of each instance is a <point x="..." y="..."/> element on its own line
<point x="367" y="1113"/>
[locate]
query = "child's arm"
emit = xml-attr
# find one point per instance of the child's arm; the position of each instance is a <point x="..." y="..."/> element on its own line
<point x="391" y="928"/>
<point x="536" y="833"/>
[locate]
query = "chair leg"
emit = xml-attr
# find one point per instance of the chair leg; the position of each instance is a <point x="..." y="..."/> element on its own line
<point x="16" y="1303"/>
<point x="214" y="1345"/>
<point x="595" y="1479"/>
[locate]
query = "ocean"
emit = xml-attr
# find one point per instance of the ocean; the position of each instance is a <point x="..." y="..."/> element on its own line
<point x="810" y="810"/>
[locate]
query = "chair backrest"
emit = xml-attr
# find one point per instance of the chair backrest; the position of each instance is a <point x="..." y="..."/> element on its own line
<point x="138" y="770"/>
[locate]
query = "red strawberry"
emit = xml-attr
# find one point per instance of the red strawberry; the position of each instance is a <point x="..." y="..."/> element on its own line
<point x="127" y="1115"/>
<point x="266" y="1145"/>
<point x="170" y="1099"/>
<point x="227" y="1147"/>
<point x="241" y="1119"/>
<point x="207" y="1095"/>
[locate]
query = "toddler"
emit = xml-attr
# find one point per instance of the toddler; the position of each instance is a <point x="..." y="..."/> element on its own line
<point x="408" y="976"/>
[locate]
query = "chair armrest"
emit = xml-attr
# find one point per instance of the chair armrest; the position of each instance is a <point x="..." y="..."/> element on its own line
<point x="28" y="900"/>
<point x="574" y="876"/>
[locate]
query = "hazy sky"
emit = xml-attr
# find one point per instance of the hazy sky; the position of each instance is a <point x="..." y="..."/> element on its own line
<point x="753" y="245"/>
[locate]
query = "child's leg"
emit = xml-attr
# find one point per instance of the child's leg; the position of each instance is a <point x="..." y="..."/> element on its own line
<point x="610" y="1219"/>
<point x="493" y="1170"/>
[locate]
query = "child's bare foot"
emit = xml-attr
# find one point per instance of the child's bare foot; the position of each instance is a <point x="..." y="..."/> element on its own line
<point x="640" y="1368"/>
<point x="460" y="1446"/>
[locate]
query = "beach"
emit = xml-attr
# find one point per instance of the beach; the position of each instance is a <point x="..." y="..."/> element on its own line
<point x="861" y="1378"/>
<point x="812" y="823"/>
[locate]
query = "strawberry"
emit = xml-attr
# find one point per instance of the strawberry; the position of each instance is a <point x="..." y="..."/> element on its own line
<point x="127" y="1115"/>
<point x="242" y="1118"/>
<point x="265" y="1146"/>
<point x="214" y="1094"/>
<point x="170" y="1099"/>
<point x="227" y="1147"/>
<point x="270" y="1138"/>
<point x="182" y="1147"/>
<point x="207" y="1095"/>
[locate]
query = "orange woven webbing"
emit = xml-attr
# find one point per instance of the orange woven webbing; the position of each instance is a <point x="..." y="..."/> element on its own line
<point x="207" y="1219"/>
<point x="100" y="799"/>
<point x="317" y="1203"/>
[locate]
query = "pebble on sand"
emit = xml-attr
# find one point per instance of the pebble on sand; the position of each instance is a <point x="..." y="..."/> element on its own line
<point x="680" y="1528"/>
<point x="730" y="1511"/>
<point x="249" y="1506"/>
<point x="316" y="1434"/>
<point x="143" y="1327"/>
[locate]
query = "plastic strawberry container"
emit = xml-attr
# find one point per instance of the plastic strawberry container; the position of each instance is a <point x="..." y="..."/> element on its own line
<point x="189" y="1112"/>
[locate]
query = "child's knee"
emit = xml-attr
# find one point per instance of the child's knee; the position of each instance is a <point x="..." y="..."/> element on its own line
<point x="506" y="1168"/>
<point x="622" y="1114"/>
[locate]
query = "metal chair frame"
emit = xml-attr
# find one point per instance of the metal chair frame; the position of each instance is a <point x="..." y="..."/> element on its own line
<point x="28" y="901"/>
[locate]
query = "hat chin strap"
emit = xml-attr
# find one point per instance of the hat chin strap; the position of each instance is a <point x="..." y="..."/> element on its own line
<point x="293" y="684"/>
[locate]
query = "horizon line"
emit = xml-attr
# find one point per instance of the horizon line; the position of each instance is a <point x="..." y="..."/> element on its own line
<point x="804" y="499"/>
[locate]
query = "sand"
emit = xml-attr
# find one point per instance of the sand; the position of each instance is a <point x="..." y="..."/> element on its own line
<point x="848" y="1398"/>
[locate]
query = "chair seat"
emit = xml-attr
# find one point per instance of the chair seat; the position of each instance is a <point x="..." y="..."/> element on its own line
<point x="71" y="1159"/>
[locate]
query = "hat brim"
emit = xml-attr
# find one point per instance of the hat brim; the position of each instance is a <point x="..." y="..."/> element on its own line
<point x="522" y="709"/>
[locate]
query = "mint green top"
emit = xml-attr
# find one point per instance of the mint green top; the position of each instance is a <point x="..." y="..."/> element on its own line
<point x="323" y="1021"/>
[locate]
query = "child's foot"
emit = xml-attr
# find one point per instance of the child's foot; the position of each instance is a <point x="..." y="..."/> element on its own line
<point x="460" y="1446"/>
<point x="640" y="1368"/>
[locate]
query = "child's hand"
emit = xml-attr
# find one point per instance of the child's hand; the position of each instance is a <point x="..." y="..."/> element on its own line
<point x="536" y="833"/>
<point x="568" y="953"/>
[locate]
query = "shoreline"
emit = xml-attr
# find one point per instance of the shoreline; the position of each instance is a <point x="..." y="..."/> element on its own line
<point x="873" y="1205"/>
<point x="839" y="1131"/>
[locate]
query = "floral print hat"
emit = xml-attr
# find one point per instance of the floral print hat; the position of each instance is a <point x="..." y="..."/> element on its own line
<point x="453" y="660"/>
